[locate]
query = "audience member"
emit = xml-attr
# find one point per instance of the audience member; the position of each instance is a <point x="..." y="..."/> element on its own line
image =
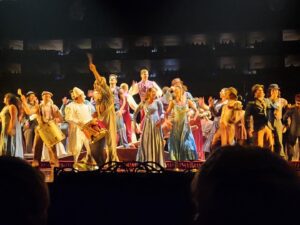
<point x="245" y="185"/>
<point x="24" y="194"/>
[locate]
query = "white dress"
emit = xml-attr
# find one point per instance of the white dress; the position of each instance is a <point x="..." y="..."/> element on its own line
<point x="77" y="114"/>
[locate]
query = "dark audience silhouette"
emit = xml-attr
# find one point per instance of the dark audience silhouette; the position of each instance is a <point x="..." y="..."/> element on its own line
<point x="24" y="194"/>
<point x="245" y="185"/>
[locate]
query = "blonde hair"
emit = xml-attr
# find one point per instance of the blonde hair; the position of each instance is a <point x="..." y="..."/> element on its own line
<point x="181" y="89"/>
<point x="124" y="86"/>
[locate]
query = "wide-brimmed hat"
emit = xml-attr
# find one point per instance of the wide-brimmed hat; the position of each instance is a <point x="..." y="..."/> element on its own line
<point x="78" y="92"/>
<point x="47" y="92"/>
<point x="255" y="87"/>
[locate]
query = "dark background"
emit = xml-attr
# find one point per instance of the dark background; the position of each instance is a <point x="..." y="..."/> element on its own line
<point x="171" y="49"/>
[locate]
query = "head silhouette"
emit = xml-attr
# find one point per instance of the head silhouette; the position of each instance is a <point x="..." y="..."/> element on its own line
<point x="24" y="194"/>
<point x="245" y="185"/>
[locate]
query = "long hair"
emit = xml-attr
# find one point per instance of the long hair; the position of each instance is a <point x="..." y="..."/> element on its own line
<point x="182" y="90"/>
<point x="13" y="100"/>
<point x="149" y="90"/>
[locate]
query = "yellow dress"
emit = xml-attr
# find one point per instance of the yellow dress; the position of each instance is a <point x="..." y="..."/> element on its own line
<point x="106" y="113"/>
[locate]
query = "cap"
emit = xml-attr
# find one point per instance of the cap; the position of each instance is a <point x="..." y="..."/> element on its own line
<point x="255" y="87"/>
<point x="77" y="92"/>
<point x="47" y="92"/>
<point x="273" y="86"/>
<point x="29" y="93"/>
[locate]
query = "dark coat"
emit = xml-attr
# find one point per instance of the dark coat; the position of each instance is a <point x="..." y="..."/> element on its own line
<point x="256" y="117"/>
<point x="294" y="114"/>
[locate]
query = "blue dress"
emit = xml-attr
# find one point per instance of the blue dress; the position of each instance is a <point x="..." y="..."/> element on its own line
<point x="181" y="142"/>
<point x="10" y="145"/>
<point x="216" y="112"/>
<point x="151" y="147"/>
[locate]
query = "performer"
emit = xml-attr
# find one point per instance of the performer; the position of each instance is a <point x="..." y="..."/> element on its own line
<point x="141" y="88"/>
<point x="77" y="114"/>
<point x="215" y="107"/>
<point x="178" y="82"/>
<point x="275" y="115"/>
<point x="64" y="126"/>
<point x="205" y="115"/>
<point x="11" y="133"/>
<point x="256" y="119"/>
<point x="119" y="108"/>
<point x="30" y="122"/>
<point x="166" y="97"/>
<point x="46" y="111"/>
<point x="151" y="146"/>
<point x="232" y="113"/>
<point x="293" y="113"/>
<point x="129" y="101"/>
<point x="195" y="124"/>
<point x="181" y="143"/>
<point x="196" y="127"/>
<point x="104" y="99"/>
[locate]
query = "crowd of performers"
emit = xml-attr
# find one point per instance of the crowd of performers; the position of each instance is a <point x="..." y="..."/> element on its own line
<point x="166" y="120"/>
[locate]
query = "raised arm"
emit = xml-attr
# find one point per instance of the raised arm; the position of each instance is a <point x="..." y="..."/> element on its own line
<point x="134" y="89"/>
<point x="201" y="102"/>
<point x="27" y="110"/>
<point x="158" y="89"/>
<point x="131" y="102"/>
<point x="97" y="76"/>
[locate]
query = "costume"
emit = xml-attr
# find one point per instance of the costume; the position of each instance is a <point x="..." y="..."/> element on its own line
<point x="78" y="114"/>
<point x="29" y="126"/>
<point x="121" y="129"/>
<point x="198" y="136"/>
<point x="10" y="145"/>
<point x="232" y="113"/>
<point x="275" y="116"/>
<point x="216" y="112"/>
<point x="151" y="145"/>
<point x="48" y="112"/>
<point x="294" y="132"/>
<point x="127" y="119"/>
<point x="181" y="143"/>
<point x="256" y="121"/>
<point x="141" y="88"/>
<point x="197" y="128"/>
<point x="106" y="113"/>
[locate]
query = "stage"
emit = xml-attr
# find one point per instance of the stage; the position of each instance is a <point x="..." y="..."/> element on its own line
<point x="128" y="156"/>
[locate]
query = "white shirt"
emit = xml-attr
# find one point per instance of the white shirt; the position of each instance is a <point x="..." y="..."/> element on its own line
<point x="78" y="113"/>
